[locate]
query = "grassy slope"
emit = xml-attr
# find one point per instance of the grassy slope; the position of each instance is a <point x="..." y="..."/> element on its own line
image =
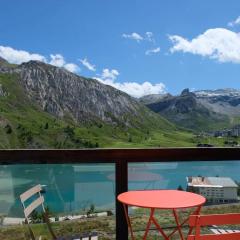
<point x="198" y="121"/>
<point x="25" y="125"/>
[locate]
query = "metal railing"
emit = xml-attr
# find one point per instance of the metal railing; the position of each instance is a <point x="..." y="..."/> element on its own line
<point x="121" y="158"/>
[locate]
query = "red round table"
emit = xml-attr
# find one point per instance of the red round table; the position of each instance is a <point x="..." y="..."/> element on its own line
<point x="161" y="199"/>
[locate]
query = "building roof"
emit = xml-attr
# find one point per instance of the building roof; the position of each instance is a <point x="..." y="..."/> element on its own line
<point x="223" y="181"/>
<point x="211" y="182"/>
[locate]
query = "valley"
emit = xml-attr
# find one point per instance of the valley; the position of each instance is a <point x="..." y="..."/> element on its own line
<point x="43" y="106"/>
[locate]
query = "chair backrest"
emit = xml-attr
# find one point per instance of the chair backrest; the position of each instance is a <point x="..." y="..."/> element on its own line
<point x="36" y="190"/>
<point x="197" y="221"/>
<point x="28" y="209"/>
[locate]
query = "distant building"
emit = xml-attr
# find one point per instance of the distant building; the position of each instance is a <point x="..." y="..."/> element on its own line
<point x="214" y="189"/>
<point x="236" y="131"/>
<point x="232" y="132"/>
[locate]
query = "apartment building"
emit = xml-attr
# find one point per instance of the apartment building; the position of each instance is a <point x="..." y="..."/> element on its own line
<point x="215" y="189"/>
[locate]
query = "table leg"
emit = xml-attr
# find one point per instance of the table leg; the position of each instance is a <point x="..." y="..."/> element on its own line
<point x="128" y="221"/>
<point x="148" y="224"/>
<point x="176" y="229"/>
<point x="152" y="219"/>
<point x="160" y="229"/>
<point x="195" y="213"/>
<point x="178" y="225"/>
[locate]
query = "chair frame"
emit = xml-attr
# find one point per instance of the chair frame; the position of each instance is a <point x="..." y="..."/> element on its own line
<point x="197" y="221"/>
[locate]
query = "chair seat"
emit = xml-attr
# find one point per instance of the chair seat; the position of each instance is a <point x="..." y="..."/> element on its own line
<point x="222" y="231"/>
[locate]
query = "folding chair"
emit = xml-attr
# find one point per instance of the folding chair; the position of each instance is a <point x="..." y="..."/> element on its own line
<point x="38" y="201"/>
<point x="197" y="221"/>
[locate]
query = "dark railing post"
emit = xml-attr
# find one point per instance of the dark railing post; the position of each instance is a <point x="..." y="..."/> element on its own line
<point x="121" y="185"/>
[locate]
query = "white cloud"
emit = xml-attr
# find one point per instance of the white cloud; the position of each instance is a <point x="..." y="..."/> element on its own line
<point x="87" y="64"/>
<point x="149" y="37"/>
<point x="152" y="51"/>
<point x="134" y="36"/>
<point x="219" y="43"/>
<point x="71" y="67"/>
<point x="19" y="56"/>
<point x="134" y="89"/>
<point x="59" y="61"/>
<point x="235" y="22"/>
<point x="137" y="37"/>
<point x="109" y="74"/>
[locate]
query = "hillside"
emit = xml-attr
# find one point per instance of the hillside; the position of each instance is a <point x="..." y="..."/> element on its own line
<point x="223" y="101"/>
<point x="42" y="106"/>
<point x="188" y="111"/>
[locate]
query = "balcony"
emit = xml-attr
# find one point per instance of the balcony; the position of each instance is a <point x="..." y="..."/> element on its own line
<point x="80" y="186"/>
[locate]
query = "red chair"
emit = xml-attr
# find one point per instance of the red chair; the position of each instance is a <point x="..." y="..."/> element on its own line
<point x="197" y="221"/>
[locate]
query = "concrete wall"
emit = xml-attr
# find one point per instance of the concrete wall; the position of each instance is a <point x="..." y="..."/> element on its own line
<point x="216" y="194"/>
<point x="230" y="193"/>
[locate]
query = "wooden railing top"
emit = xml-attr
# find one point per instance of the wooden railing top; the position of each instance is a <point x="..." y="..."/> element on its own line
<point x="33" y="156"/>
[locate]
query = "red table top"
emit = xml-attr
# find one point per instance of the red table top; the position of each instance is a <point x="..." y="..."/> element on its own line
<point x="162" y="199"/>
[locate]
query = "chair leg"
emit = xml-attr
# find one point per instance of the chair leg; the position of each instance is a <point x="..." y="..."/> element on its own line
<point x="49" y="226"/>
<point x="31" y="233"/>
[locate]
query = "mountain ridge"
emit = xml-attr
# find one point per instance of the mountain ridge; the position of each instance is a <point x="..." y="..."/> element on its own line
<point x="189" y="111"/>
<point x="62" y="94"/>
<point x="44" y="106"/>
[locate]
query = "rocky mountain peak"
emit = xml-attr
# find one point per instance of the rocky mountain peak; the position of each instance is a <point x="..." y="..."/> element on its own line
<point x="186" y="92"/>
<point x="67" y="95"/>
<point x="186" y="110"/>
<point x="225" y="101"/>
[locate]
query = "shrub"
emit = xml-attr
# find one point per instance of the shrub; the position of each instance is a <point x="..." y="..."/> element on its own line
<point x="8" y="129"/>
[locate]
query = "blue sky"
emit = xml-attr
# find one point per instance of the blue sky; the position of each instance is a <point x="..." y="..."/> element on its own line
<point x="170" y="44"/>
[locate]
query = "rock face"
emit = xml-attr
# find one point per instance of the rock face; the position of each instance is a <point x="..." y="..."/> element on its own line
<point x="184" y="103"/>
<point x="4" y="66"/>
<point x="67" y="95"/>
<point x="187" y="111"/>
<point x="153" y="98"/>
<point x="3" y="93"/>
<point x="224" y="101"/>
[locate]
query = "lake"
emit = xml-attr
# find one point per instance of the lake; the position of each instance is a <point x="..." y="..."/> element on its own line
<point x="73" y="188"/>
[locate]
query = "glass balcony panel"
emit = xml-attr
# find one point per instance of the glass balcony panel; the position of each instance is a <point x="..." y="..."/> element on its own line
<point x="173" y="175"/>
<point x="81" y="196"/>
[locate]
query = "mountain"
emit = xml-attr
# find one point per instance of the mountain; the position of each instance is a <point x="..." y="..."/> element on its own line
<point x="188" y="110"/>
<point x="45" y="106"/>
<point x="223" y="101"/>
<point x="5" y="66"/>
<point x="65" y="94"/>
<point x="152" y="98"/>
